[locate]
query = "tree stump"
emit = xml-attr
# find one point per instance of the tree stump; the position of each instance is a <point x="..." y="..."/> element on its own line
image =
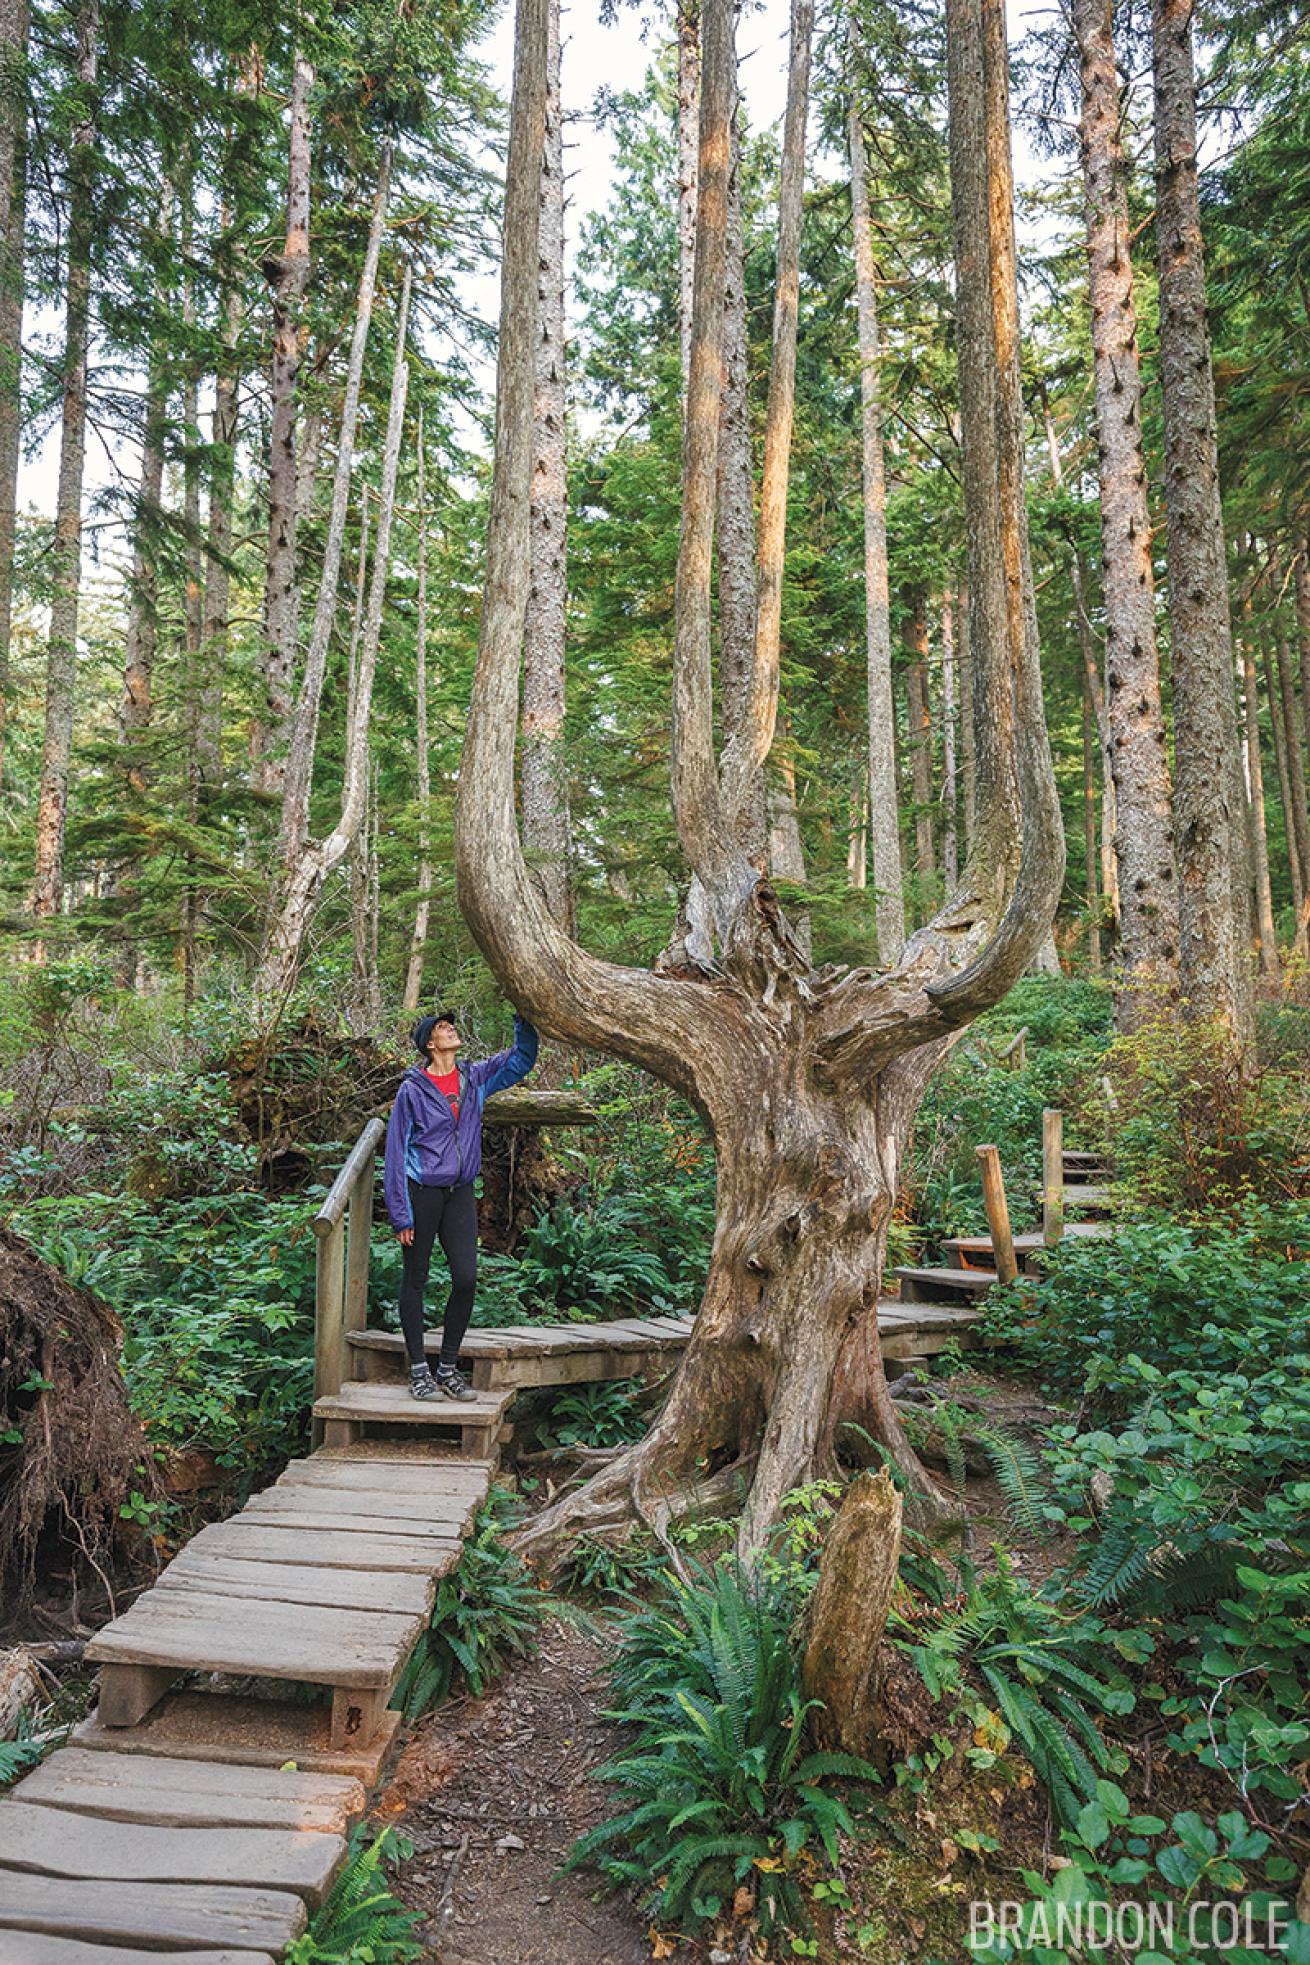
<point x="857" y="1575"/>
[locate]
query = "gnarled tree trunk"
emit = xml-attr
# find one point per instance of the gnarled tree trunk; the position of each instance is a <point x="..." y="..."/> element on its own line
<point x="807" y="1078"/>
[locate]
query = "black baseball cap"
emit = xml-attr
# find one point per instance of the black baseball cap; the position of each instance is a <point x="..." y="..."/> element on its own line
<point x="425" y="1026"/>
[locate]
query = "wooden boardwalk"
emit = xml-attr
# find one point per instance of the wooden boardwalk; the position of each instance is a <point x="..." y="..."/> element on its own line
<point x="200" y="1815"/>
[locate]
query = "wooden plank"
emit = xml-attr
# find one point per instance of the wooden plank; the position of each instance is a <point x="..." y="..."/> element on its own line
<point x="580" y="1368"/>
<point x="162" y="1916"/>
<point x="128" y="1690"/>
<point x="336" y="1520"/>
<point x="241" y="1728"/>
<point x="374" y="1400"/>
<point x="55" y="1843"/>
<point x="340" y="1545"/>
<point x="998" y="1213"/>
<point x="27" y="1948"/>
<point x="285" y="1582"/>
<point x="429" y="1477"/>
<point x="450" y="1510"/>
<point x="125" y="1787"/>
<point x="188" y="1631"/>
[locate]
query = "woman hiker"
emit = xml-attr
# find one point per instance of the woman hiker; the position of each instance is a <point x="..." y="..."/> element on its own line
<point x="433" y="1157"/>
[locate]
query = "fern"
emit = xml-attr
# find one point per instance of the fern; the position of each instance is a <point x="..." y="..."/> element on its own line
<point x="360" y="1922"/>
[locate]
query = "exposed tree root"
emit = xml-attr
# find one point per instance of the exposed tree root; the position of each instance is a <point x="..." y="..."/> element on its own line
<point x="620" y="1497"/>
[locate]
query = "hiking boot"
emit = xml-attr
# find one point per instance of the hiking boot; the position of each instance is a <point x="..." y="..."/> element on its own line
<point x="422" y="1384"/>
<point x="452" y="1383"/>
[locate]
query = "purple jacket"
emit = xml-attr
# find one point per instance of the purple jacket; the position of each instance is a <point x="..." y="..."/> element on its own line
<point x="424" y="1141"/>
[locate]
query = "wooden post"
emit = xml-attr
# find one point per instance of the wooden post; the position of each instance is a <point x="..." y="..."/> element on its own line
<point x="360" y="1234"/>
<point x="329" y="1313"/>
<point x="998" y="1213"/>
<point x="1052" y="1176"/>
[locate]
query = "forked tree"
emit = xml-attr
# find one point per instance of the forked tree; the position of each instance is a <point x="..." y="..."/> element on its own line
<point x="808" y="1078"/>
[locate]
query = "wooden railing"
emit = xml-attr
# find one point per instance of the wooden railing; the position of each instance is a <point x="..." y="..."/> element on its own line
<point x="343" y="1228"/>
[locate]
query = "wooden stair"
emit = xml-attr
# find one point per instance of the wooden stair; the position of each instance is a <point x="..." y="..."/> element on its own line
<point x="525" y="1356"/>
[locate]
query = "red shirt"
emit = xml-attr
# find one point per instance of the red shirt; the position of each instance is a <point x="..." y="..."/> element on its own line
<point x="448" y="1083"/>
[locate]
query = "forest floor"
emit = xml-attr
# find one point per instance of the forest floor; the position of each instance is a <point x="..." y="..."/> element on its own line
<point x="492" y="1793"/>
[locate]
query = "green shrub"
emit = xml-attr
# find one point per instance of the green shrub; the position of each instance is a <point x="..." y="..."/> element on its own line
<point x="487" y="1610"/>
<point x="216" y="1297"/>
<point x="1156" y="1291"/>
<point x="720" y="1792"/>
<point x="607" y="1414"/>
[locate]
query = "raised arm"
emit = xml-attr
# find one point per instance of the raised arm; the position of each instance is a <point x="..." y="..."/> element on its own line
<point x="497" y="1073"/>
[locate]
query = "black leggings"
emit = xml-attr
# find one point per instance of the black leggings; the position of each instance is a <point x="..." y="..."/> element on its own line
<point x="449" y="1214"/>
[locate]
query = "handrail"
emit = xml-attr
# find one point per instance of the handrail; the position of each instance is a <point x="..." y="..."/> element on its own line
<point x="361" y="1154"/>
<point x="343" y="1229"/>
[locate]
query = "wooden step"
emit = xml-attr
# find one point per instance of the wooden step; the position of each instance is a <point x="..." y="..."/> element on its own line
<point x="245" y="1730"/>
<point x="976" y="1251"/>
<point x="199" y="1794"/>
<point x="1081" y="1157"/>
<point x="158" y="1917"/>
<point x="26" y="1948"/>
<point x="54" y="1842"/>
<point x="529" y="1355"/>
<point x="356" y="1653"/>
<point x="1092" y="1195"/>
<point x="919" y="1330"/>
<point x="335" y="1542"/>
<point x="361" y="1403"/>
<point x="931" y="1285"/>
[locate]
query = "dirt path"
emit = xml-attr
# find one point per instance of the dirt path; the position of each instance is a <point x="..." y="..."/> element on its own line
<point x="492" y="1792"/>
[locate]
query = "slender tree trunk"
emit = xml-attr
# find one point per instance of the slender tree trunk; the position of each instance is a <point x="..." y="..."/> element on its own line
<point x="419" y="940"/>
<point x="968" y="775"/>
<point x="298" y="779"/>
<point x="735" y="534"/>
<point x="216" y="609"/>
<point x="857" y="861"/>
<point x="66" y="561"/>
<point x="1278" y="731"/>
<point x="950" y="840"/>
<point x="1302" y="586"/>
<point x="884" y="816"/>
<point x="1091" y="843"/>
<point x="14" y="26"/>
<point x="288" y="274"/>
<point x="366" y="985"/>
<point x="1259" y="827"/>
<point x="688" y="149"/>
<point x="306" y="875"/>
<point x="1209" y="823"/>
<point x="747" y="751"/>
<point x="1149" y="925"/>
<point x="1298" y="818"/>
<point x="920" y="708"/>
<point x="136" y="705"/>
<point x="543" y="769"/>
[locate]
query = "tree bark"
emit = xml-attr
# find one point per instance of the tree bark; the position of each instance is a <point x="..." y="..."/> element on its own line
<point x="298" y="780"/>
<point x="1259" y="828"/>
<point x="423" y="776"/>
<point x="857" y="849"/>
<point x="316" y="861"/>
<point x="66" y="567"/>
<point x="288" y="274"/>
<point x="14" y="28"/>
<point x="884" y="815"/>
<point x="807" y="1079"/>
<point x="848" y="1612"/>
<point x="216" y="609"/>
<point x="139" y="642"/>
<point x="1209" y="824"/>
<point x="1149" y="926"/>
<point x="544" y="781"/>
<point x="1301" y="576"/>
